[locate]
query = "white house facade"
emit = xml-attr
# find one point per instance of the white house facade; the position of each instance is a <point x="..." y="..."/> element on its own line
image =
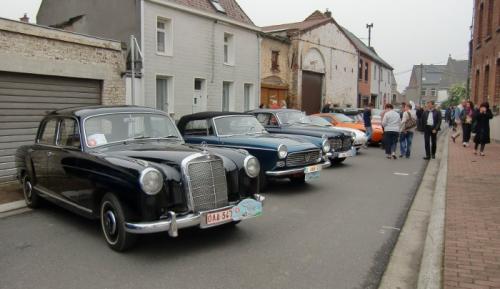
<point x="196" y="61"/>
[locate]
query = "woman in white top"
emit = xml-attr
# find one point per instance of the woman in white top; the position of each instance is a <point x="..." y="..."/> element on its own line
<point x="408" y="126"/>
<point x="392" y="126"/>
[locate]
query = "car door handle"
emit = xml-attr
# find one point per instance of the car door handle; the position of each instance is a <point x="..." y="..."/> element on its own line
<point x="49" y="154"/>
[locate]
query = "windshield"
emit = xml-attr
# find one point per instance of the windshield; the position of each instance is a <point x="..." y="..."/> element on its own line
<point x="291" y="117"/>
<point x="112" y="128"/>
<point x="316" y="120"/>
<point x="238" y="125"/>
<point x="343" y="118"/>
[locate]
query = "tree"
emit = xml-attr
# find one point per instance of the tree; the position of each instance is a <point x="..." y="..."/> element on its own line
<point x="457" y="93"/>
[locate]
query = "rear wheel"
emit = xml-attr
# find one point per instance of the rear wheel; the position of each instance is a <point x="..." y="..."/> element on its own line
<point x="113" y="215"/>
<point x="30" y="196"/>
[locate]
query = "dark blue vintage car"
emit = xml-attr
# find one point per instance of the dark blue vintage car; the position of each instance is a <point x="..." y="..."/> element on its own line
<point x="130" y="168"/>
<point x="295" y="122"/>
<point x="279" y="156"/>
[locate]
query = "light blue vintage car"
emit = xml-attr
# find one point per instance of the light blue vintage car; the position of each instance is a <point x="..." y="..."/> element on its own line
<point x="279" y="156"/>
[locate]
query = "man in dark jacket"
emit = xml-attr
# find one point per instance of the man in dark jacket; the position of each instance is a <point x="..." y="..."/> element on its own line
<point x="367" y="119"/>
<point x="431" y="121"/>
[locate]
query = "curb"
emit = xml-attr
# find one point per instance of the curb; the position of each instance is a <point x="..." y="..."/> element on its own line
<point x="7" y="207"/>
<point x="430" y="275"/>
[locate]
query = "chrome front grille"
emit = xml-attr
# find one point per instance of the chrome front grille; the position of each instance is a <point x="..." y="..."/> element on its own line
<point x="207" y="185"/>
<point x="346" y="144"/>
<point x="302" y="158"/>
<point x="336" y="144"/>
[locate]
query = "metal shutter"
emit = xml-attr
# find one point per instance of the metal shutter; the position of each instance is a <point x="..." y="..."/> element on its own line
<point x="25" y="99"/>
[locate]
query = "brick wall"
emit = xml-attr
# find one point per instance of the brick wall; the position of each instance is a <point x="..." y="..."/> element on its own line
<point x="27" y="48"/>
<point x="486" y="53"/>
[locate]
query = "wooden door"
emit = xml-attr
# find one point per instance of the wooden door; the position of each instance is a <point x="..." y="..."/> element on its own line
<point x="312" y="88"/>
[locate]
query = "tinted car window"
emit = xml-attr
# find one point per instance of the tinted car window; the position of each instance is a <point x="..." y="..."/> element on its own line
<point x="48" y="135"/>
<point x="69" y="134"/>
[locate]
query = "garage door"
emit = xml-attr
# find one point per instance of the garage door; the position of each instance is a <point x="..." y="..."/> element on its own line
<point x="25" y="99"/>
<point x="312" y="87"/>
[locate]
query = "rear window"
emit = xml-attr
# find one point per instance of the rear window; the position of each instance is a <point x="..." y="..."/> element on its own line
<point x="196" y="127"/>
<point x="48" y="134"/>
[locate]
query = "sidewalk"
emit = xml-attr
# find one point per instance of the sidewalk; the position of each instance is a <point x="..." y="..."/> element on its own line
<point x="472" y="224"/>
<point x="10" y="192"/>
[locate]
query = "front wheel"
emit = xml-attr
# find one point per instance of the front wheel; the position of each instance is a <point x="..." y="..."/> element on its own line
<point x="30" y="196"/>
<point x="113" y="215"/>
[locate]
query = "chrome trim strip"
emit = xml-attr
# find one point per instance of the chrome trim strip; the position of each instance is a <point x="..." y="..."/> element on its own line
<point x="294" y="171"/>
<point x="239" y="147"/>
<point x="54" y="196"/>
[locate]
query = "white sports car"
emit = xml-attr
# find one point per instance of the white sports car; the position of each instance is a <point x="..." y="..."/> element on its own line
<point x="360" y="138"/>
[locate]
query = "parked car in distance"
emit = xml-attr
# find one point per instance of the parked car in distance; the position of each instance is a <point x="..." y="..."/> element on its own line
<point x="377" y="130"/>
<point x="279" y="156"/>
<point x="295" y="122"/>
<point x="360" y="138"/>
<point x="130" y="168"/>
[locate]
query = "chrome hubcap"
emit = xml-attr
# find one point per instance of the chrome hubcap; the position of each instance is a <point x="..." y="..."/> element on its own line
<point x="110" y="222"/>
<point x="27" y="189"/>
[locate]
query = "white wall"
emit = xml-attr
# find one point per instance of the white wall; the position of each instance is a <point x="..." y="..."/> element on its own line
<point x="198" y="50"/>
<point x="381" y="83"/>
<point x="341" y="62"/>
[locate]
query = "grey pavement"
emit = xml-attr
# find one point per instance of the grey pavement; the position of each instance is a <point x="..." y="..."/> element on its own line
<point x="337" y="232"/>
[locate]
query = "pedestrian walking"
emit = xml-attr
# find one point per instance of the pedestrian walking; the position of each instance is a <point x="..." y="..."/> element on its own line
<point x="466" y="119"/>
<point x="367" y="119"/>
<point x="432" y="120"/>
<point x="458" y="121"/>
<point x="420" y="124"/>
<point x="482" y="127"/>
<point x="392" y="125"/>
<point x="408" y="125"/>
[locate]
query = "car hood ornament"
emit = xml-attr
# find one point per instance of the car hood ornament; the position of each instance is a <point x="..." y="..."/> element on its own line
<point x="204" y="147"/>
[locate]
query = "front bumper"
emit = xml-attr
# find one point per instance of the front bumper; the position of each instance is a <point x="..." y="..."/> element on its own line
<point x="343" y="154"/>
<point x="174" y="223"/>
<point x="294" y="171"/>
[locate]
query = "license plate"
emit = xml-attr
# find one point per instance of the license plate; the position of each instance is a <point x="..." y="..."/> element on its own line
<point x="219" y="217"/>
<point x="345" y="154"/>
<point x="312" y="169"/>
<point x="312" y="176"/>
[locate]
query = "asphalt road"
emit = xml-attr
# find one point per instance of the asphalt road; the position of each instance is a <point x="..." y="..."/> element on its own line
<point x="334" y="233"/>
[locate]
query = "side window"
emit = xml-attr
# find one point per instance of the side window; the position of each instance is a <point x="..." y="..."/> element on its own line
<point x="263" y="118"/>
<point x="48" y="135"/>
<point x="69" y="135"/>
<point x="196" y="127"/>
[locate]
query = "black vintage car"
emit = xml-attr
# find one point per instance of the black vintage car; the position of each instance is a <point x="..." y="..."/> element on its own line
<point x="295" y="122"/>
<point x="130" y="168"/>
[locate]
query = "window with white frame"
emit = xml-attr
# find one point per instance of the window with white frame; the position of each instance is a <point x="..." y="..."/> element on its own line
<point x="247" y="94"/>
<point x="164" y="36"/>
<point x="228" y="49"/>
<point x="227" y="91"/>
<point x="163" y="93"/>
<point x="433" y="92"/>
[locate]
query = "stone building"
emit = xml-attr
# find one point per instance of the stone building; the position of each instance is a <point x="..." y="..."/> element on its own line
<point x="43" y="69"/>
<point x="374" y="74"/>
<point x="485" y="50"/>
<point x="197" y="55"/>
<point x="323" y="62"/>
<point x="275" y="69"/>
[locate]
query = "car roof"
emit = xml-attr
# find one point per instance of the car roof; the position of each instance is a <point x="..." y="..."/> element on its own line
<point x="206" y="115"/>
<point x="272" y="110"/>
<point x="85" y="111"/>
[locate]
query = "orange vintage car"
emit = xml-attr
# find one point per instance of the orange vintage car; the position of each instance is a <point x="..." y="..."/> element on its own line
<point x="342" y="120"/>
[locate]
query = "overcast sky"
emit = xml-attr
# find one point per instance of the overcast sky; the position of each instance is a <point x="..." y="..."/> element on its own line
<point x="406" y="32"/>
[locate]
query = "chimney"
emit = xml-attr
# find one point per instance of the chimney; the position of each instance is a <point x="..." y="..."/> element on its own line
<point x="328" y="13"/>
<point x="25" y="18"/>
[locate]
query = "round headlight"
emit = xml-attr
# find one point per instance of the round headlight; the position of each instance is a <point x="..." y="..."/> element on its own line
<point x="326" y="146"/>
<point x="151" y="181"/>
<point x="252" y="166"/>
<point x="282" y="151"/>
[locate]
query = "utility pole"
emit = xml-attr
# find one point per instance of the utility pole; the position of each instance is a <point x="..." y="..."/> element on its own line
<point x="369" y="26"/>
<point x="421" y="84"/>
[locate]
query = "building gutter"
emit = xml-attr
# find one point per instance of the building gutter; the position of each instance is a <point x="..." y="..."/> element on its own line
<point x="205" y="14"/>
